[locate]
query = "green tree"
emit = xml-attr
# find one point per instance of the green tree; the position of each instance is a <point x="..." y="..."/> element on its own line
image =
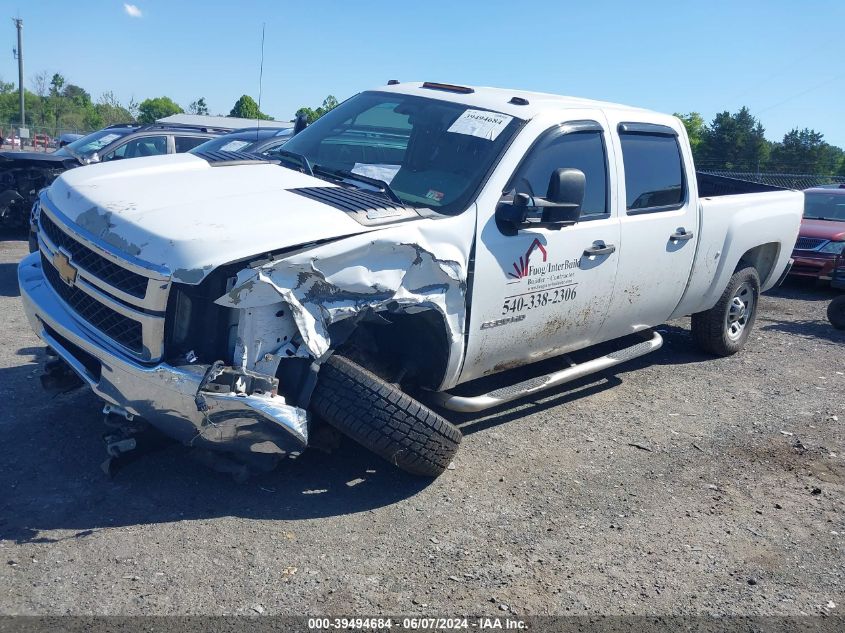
<point x="111" y="111"/>
<point x="56" y="84"/>
<point x="312" y="114"/>
<point x="198" y="107"/>
<point x="805" y="151"/>
<point x="41" y="85"/>
<point x="247" y="108"/>
<point x="76" y="94"/>
<point x="694" y="123"/>
<point x="150" y="110"/>
<point x="734" y="142"/>
<point x="55" y="100"/>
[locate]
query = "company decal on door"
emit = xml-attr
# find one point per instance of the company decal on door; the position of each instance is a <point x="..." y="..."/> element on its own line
<point x="535" y="280"/>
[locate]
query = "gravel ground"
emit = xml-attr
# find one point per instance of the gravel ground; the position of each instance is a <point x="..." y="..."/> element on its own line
<point x="679" y="484"/>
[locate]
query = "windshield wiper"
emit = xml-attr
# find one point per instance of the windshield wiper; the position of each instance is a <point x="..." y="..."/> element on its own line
<point x="304" y="165"/>
<point x="382" y="186"/>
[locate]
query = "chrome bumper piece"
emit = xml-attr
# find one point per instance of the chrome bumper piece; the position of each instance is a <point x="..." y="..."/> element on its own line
<point x="161" y="394"/>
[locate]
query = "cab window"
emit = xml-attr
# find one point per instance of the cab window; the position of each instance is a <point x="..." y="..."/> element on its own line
<point x="579" y="150"/>
<point x="654" y="176"/>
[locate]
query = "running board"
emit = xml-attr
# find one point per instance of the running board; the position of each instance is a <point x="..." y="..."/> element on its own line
<point x="471" y="404"/>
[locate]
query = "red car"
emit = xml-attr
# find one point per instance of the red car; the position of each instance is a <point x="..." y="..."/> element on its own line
<point x="822" y="234"/>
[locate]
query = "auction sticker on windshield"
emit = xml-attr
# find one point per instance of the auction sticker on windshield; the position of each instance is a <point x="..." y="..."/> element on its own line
<point x="108" y="138"/>
<point x="480" y="123"/>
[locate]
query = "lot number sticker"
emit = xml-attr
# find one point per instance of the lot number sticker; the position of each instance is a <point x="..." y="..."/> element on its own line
<point x="480" y="123"/>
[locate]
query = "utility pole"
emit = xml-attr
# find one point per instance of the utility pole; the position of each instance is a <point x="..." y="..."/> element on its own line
<point x="19" y="24"/>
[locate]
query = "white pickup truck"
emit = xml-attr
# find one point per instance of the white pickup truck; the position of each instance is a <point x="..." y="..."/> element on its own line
<point x="418" y="237"/>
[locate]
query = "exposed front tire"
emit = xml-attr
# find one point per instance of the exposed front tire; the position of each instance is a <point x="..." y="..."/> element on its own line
<point x="723" y="329"/>
<point x="384" y="419"/>
<point x="836" y="313"/>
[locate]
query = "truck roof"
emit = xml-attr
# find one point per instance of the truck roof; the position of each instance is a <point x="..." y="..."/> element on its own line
<point x="519" y="103"/>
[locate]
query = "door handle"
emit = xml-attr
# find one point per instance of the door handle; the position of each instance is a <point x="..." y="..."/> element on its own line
<point x="681" y="235"/>
<point x="599" y="249"/>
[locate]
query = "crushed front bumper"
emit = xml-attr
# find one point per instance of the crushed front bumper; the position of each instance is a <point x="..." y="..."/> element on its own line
<point x="161" y="394"/>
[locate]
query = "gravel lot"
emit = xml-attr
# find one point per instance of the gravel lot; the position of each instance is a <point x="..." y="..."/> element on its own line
<point x="679" y="484"/>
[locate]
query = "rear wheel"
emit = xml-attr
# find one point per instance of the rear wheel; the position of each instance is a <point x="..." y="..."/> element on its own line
<point x="836" y="313"/>
<point x="724" y="328"/>
<point x="384" y="419"/>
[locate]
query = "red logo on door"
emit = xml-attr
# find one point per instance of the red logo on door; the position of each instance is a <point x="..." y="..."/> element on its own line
<point x="521" y="267"/>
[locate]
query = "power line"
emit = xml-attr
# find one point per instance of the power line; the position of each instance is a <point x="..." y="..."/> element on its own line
<point x="802" y="93"/>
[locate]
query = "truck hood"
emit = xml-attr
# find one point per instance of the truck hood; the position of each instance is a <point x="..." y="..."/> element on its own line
<point x="826" y="229"/>
<point x="181" y="213"/>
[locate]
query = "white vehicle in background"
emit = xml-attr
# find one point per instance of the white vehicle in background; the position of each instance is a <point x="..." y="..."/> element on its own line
<point x="413" y="240"/>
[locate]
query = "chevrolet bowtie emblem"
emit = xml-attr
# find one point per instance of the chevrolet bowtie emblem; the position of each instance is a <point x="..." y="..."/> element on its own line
<point x="67" y="271"/>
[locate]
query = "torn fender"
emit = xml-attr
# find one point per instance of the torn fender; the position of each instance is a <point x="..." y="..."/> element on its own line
<point x="406" y="268"/>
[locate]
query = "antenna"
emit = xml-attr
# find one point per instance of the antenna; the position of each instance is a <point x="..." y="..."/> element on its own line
<point x="261" y="72"/>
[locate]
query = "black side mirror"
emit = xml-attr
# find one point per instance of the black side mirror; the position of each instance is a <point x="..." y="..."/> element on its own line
<point x="300" y="124"/>
<point x="566" y="187"/>
<point x="561" y="206"/>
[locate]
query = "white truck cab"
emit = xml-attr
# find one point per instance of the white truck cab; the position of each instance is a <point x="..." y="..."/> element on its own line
<point x="418" y="237"/>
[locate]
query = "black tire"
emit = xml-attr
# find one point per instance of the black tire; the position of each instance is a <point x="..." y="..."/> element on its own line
<point x="836" y="313"/>
<point x="723" y="329"/>
<point x="384" y="419"/>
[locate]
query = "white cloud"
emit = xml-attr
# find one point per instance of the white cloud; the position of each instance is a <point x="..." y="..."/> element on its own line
<point x="132" y="11"/>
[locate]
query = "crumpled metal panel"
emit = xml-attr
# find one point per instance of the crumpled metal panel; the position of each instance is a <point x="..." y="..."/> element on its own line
<point x="407" y="268"/>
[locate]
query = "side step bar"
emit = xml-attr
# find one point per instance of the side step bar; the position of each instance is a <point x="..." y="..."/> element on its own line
<point x="471" y="404"/>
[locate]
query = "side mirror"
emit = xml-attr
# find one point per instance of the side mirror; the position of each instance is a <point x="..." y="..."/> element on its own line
<point x="300" y="124"/>
<point x="566" y="189"/>
<point x="561" y="206"/>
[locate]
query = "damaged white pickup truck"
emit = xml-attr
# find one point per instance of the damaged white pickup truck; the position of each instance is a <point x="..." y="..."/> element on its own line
<point x="416" y="238"/>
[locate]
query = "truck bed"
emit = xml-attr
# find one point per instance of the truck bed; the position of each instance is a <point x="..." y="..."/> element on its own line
<point x="712" y="186"/>
<point x="739" y="219"/>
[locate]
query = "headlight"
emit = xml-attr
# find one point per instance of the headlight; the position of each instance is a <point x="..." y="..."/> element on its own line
<point x="182" y="317"/>
<point x="833" y="247"/>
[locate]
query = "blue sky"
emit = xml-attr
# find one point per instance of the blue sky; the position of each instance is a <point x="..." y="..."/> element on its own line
<point x="784" y="59"/>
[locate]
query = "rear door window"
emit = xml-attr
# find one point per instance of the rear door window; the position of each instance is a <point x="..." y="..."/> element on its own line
<point x="187" y="143"/>
<point x="143" y="146"/>
<point x="654" y="175"/>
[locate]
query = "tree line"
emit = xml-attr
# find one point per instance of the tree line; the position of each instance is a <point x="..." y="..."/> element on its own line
<point x="731" y="141"/>
<point x="54" y="105"/>
<point x="737" y="142"/>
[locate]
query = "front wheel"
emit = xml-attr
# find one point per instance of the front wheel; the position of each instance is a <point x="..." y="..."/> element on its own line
<point x="836" y="313"/>
<point x="384" y="419"/>
<point x="723" y="329"/>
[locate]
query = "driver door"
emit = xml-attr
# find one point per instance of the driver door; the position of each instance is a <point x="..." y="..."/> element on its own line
<point x="540" y="293"/>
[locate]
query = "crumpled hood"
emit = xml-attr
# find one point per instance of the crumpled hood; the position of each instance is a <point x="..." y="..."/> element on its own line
<point x="181" y="213"/>
<point x="18" y="159"/>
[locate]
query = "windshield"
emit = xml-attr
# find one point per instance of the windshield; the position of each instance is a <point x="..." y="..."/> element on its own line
<point x="94" y="142"/>
<point x="824" y="206"/>
<point x="431" y="153"/>
<point x="238" y="142"/>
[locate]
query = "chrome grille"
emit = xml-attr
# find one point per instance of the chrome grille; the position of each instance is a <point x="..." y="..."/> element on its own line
<point x="810" y="243"/>
<point x="120" y="298"/>
<point x="120" y="328"/>
<point x="112" y="274"/>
